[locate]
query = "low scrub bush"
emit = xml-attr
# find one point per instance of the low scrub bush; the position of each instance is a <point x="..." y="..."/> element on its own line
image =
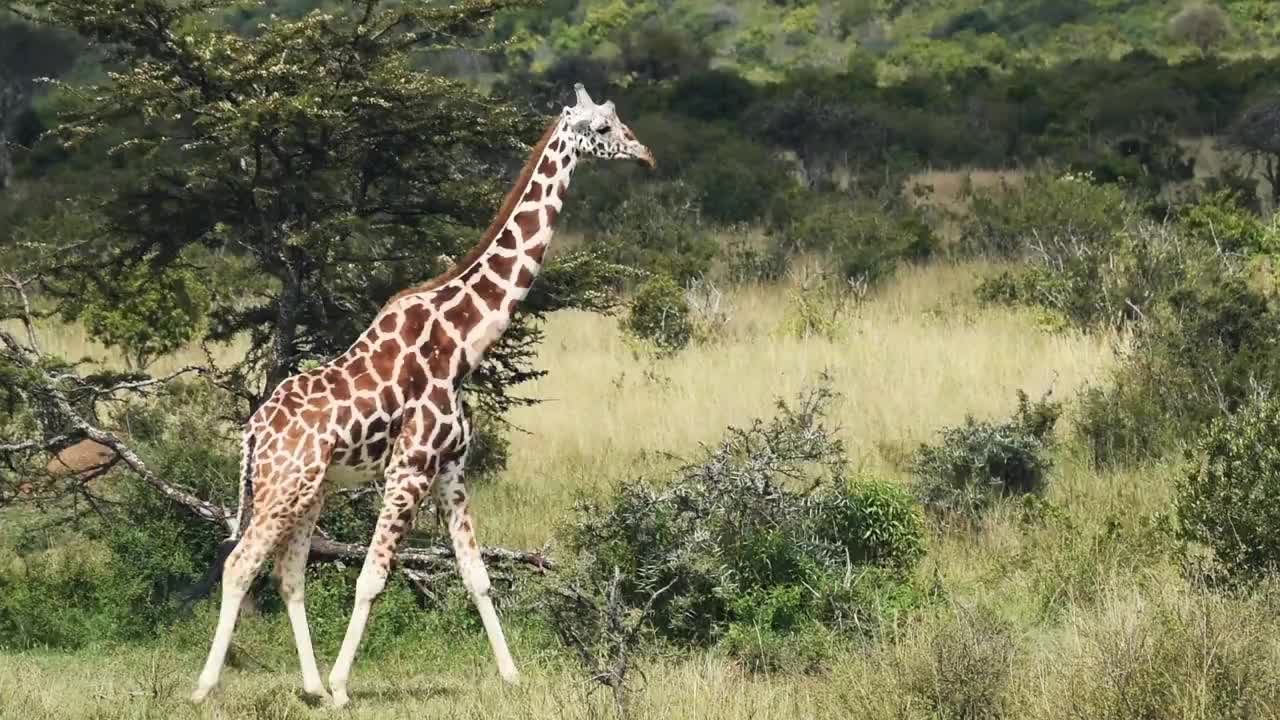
<point x="1205" y="352"/>
<point x="864" y="240"/>
<point x="764" y="533"/>
<point x="1047" y="209"/>
<point x="975" y="464"/>
<point x="658" y="314"/>
<point x="1228" y="502"/>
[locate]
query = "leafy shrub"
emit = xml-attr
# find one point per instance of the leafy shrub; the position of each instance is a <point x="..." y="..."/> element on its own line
<point x="1229" y="501"/>
<point x="864" y="240"/>
<point x="659" y="313"/>
<point x="1219" y="220"/>
<point x="731" y="543"/>
<point x="1046" y="209"/>
<point x="1206" y="351"/>
<point x="56" y="600"/>
<point x="659" y="229"/>
<point x="979" y="462"/>
<point x="1110" y="283"/>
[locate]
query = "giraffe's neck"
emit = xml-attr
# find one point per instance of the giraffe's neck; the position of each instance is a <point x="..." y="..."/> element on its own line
<point x="504" y="268"/>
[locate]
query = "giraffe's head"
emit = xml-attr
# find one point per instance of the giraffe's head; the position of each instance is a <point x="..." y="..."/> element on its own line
<point x="599" y="133"/>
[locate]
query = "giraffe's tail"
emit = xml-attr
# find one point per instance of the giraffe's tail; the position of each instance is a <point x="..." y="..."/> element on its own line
<point x="202" y="587"/>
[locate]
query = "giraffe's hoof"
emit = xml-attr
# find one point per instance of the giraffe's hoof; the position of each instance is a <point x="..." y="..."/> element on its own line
<point x="319" y="693"/>
<point x="340" y="698"/>
<point x="200" y="694"/>
<point x="510" y="677"/>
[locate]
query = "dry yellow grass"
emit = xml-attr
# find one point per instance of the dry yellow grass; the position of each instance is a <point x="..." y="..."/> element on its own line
<point x="915" y="357"/>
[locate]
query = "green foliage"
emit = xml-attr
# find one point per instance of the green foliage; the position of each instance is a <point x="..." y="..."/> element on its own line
<point x="1229" y="501"/>
<point x="1046" y="210"/>
<point x="658" y="229"/>
<point x="864" y="240"/>
<point x="146" y="311"/>
<point x="1203" y="353"/>
<point x="820" y="308"/>
<point x="975" y="464"/>
<point x="1115" y="282"/>
<point x="659" y="314"/>
<point x="55" y="600"/>
<point x="315" y="147"/>
<point x="1219" y="220"/>
<point x="733" y="546"/>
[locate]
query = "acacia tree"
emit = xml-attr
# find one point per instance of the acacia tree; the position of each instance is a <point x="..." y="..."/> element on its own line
<point x="313" y="156"/>
<point x="314" y="149"/>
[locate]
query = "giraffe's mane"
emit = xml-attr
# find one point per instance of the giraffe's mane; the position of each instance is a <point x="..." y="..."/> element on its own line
<point x="499" y="220"/>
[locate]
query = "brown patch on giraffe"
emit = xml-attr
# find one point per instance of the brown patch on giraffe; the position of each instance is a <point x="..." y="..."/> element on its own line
<point x="442" y="400"/>
<point x="357" y="431"/>
<point x="464" y="369"/>
<point x="302" y="384"/>
<point x="525" y="279"/>
<point x="383" y="359"/>
<point x="489" y="292"/>
<point x="366" y="405"/>
<point x="445" y="294"/>
<point x="536" y="252"/>
<point x="499" y="220"/>
<point x="415" y="321"/>
<point x="471" y="543"/>
<point x="377" y="448"/>
<point x="339" y="388"/>
<point x="528" y="223"/>
<point x="438" y="348"/>
<point x="279" y="419"/>
<point x="463" y="316"/>
<point x="534" y="193"/>
<point x="441" y="435"/>
<point x="626" y="133"/>
<point x="366" y="382"/>
<point x="356" y="366"/>
<point x="552" y="214"/>
<point x="502" y="265"/>
<point x="361" y="347"/>
<point x="388" y="323"/>
<point x="465" y="526"/>
<point x="342" y="416"/>
<point x="507" y="240"/>
<point x="471" y="273"/>
<point x="390" y="403"/>
<point x="548" y="167"/>
<point x="413" y="379"/>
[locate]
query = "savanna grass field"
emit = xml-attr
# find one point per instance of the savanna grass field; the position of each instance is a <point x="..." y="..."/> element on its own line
<point x="931" y="373"/>
<point x="1086" y="613"/>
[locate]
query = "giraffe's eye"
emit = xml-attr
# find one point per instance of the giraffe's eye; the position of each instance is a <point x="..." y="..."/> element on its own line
<point x="603" y="129"/>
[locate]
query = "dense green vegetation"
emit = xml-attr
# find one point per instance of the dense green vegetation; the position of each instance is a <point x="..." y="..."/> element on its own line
<point x="239" y="186"/>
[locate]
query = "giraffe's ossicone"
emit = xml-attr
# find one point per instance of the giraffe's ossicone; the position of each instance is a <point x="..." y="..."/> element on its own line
<point x="390" y="407"/>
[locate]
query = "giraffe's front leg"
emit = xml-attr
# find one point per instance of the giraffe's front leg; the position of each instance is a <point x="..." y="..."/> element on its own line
<point x="399" y="503"/>
<point x="452" y="494"/>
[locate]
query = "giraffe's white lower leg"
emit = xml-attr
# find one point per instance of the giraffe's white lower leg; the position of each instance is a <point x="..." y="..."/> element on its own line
<point x="291" y="567"/>
<point x="475" y="577"/>
<point x="232" y="596"/>
<point x="372" y="580"/>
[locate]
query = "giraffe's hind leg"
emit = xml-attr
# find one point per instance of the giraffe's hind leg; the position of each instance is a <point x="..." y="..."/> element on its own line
<point x="291" y="567"/>
<point x="257" y="542"/>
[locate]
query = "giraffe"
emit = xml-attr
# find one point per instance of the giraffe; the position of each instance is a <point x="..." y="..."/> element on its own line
<point x="391" y="405"/>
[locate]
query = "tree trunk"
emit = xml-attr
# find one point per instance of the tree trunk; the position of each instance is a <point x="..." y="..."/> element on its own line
<point x="6" y="162"/>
